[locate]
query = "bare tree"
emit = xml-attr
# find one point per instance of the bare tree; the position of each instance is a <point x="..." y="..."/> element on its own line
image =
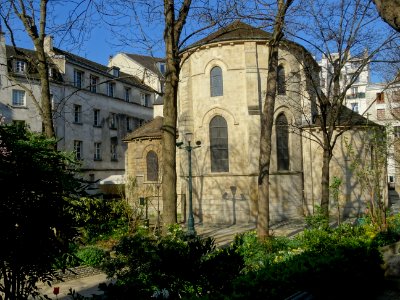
<point x="348" y="36"/>
<point x="267" y="117"/>
<point x="33" y="17"/>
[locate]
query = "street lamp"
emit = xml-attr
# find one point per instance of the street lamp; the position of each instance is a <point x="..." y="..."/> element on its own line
<point x="189" y="148"/>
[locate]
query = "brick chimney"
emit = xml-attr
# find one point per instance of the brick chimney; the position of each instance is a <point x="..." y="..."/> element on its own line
<point x="48" y="44"/>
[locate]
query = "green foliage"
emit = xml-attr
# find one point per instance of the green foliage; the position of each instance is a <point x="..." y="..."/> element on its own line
<point x="100" y="218"/>
<point x="324" y="263"/>
<point x="318" y="220"/>
<point x="36" y="228"/>
<point x="176" y="264"/>
<point x="92" y="256"/>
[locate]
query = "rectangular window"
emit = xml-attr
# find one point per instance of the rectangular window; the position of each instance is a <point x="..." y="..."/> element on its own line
<point x="18" y="98"/>
<point x="77" y="114"/>
<point x="145" y="99"/>
<point x="114" y="143"/>
<point x="380" y="98"/>
<point x="127" y="94"/>
<point x="78" y="79"/>
<point x="78" y="150"/>
<point x="94" y="81"/>
<point x="354" y="107"/>
<point x="354" y="91"/>
<point x="113" y="121"/>
<point x="96" y="117"/>
<point x="97" y="151"/>
<point x="129" y="123"/>
<point x="20" y="66"/>
<point x="110" y="89"/>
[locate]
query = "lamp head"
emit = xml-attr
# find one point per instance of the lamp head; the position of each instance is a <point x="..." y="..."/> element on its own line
<point x="198" y="143"/>
<point x="178" y="144"/>
<point x="188" y="136"/>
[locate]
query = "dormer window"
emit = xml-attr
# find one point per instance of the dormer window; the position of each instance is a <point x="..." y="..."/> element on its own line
<point x="114" y="71"/>
<point x="161" y="67"/>
<point x="20" y="66"/>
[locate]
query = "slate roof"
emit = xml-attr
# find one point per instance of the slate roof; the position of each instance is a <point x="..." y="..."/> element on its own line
<point x="348" y="117"/>
<point x="148" y="62"/>
<point x="235" y="31"/>
<point x="149" y="130"/>
<point x="124" y="77"/>
<point x="78" y="60"/>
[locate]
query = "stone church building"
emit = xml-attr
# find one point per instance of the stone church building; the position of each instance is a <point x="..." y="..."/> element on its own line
<point x="222" y="89"/>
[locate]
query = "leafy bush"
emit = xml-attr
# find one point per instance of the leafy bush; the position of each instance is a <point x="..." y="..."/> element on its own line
<point x="101" y="218"/>
<point x="92" y="256"/>
<point x="176" y="264"/>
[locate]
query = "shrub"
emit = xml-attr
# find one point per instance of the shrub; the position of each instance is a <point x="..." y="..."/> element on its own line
<point x="91" y="256"/>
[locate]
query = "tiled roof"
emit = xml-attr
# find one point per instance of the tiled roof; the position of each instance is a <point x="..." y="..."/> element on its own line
<point x="148" y="62"/>
<point x="151" y="129"/>
<point x="234" y="31"/>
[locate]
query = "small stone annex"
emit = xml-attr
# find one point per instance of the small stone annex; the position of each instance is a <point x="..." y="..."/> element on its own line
<point x="221" y="93"/>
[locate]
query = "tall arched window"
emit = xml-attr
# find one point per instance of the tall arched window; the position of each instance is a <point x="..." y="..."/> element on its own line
<point x="219" y="145"/>
<point x="152" y="166"/>
<point x="282" y="142"/>
<point x="216" y="82"/>
<point x="281" y="82"/>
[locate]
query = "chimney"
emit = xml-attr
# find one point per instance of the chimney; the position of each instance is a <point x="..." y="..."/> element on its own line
<point x="48" y="43"/>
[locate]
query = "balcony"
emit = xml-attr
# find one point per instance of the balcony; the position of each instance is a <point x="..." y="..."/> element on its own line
<point x="355" y="96"/>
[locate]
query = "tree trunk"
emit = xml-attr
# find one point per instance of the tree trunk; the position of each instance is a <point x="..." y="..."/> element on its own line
<point x="325" y="177"/>
<point x="266" y="144"/>
<point x="43" y="69"/>
<point x="267" y="119"/>
<point x="172" y="32"/>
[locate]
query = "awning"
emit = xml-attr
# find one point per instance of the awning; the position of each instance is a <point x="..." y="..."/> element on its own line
<point x="113" y="179"/>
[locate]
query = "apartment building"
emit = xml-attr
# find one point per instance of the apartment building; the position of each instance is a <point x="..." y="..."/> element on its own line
<point x="94" y="106"/>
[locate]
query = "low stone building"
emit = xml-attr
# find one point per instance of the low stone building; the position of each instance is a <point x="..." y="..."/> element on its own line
<point x="221" y="93"/>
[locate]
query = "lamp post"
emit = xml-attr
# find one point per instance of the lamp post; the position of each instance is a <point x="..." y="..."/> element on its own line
<point x="189" y="148"/>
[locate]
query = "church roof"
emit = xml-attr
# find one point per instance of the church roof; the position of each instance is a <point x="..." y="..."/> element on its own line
<point x="235" y="31"/>
<point x="150" y="130"/>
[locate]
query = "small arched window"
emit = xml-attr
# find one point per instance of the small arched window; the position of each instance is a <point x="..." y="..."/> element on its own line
<point x="282" y="142"/>
<point x="281" y="82"/>
<point x="216" y="82"/>
<point x="219" y="145"/>
<point x="152" y="166"/>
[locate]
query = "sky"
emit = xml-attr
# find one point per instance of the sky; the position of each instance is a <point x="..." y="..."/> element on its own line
<point x="122" y="29"/>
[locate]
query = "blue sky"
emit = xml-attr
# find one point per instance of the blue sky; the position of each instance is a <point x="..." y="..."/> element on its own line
<point x="126" y="30"/>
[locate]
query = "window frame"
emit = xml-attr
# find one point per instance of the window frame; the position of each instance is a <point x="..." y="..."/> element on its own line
<point x="219" y="144"/>
<point x="96" y="117"/>
<point x="97" y="151"/>
<point x="113" y="149"/>
<point x="78" y="78"/>
<point x="113" y="121"/>
<point x="111" y="89"/>
<point x="127" y="95"/>
<point x="78" y="149"/>
<point x="152" y="166"/>
<point x="16" y="101"/>
<point x="281" y="80"/>
<point x="282" y="143"/>
<point x="20" y="66"/>
<point x="216" y="82"/>
<point x="93" y="82"/>
<point x="77" y="114"/>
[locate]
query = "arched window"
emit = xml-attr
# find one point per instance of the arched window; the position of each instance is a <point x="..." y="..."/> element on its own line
<point x="152" y="166"/>
<point x="281" y="82"/>
<point x="282" y="142"/>
<point x="219" y="145"/>
<point x="216" y="83"/>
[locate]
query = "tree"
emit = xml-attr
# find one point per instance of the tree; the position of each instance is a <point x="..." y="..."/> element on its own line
<point x="267" y="118"/>
<point x="36" y="184"/>
<point x="172" y="37"/>
<point x="389" y="10"/>
<point x="35" y="27"/>
<point x="347" y="35"/>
